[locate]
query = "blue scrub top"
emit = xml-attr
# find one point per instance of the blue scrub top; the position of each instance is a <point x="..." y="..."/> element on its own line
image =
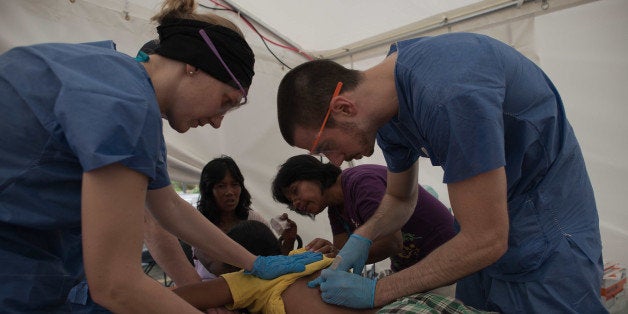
<point x="472" y="104"/>
<point x="66" y="109"/>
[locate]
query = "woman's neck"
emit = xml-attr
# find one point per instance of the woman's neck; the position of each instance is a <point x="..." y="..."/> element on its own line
<point x="334" y="195"/>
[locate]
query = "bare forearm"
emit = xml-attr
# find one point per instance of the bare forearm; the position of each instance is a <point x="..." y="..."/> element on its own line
<point x="459" y="257"/>
<point x="480" y="208"/>
<point x="111" y="219"/>
<point x="143" y="295"/>
<point x="167" y="252"/>
<point x="397" y="205"/>
<point x="391" y="215"/>
<point x="205" y="236"/>
<point x="206" y="295"/>
<point x="184" y="221"/>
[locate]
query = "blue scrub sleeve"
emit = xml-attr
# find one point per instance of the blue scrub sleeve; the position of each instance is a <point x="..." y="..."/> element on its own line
<point x="456" y="114"/>
<point x="109" y="121"/>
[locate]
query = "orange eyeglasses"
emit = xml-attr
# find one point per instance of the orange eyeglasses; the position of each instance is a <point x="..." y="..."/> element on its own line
<point x="320" y="131"/>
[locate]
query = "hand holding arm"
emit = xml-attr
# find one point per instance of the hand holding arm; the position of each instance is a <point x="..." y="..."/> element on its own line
<point x="480" y="206"/>
<point x="347" y="289"/>
<point x="353" y="255"/>
<point x="270" y="267"/>
<point x="180" y="218"/>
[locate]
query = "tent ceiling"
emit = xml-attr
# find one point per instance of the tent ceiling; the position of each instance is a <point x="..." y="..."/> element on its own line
<point x="329" y="24"/>
<point x="325" y="24"/>
<point x="340" y="29"/>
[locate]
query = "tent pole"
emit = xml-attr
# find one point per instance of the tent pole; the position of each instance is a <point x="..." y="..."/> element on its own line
<point x="420" y="27"/>
<point x="447" y="19"/>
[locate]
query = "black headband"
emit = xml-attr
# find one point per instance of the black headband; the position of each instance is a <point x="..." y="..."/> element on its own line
<point x="180" y="40"/>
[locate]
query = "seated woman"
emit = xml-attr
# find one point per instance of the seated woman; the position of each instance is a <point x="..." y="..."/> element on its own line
<point x="225" y="201"/>
<point x="289" y="293"/>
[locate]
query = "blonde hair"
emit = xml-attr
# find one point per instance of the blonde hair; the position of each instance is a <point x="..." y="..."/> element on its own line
<point x="184" y="9"/>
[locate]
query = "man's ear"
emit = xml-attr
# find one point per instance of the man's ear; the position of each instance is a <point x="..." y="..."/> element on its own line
<point x="343" y="106"/>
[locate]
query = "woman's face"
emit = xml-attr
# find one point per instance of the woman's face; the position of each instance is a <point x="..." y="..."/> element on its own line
<point x="200" y="99"/>
<point x="227" y="193"/>
<point x="306" y="197"/>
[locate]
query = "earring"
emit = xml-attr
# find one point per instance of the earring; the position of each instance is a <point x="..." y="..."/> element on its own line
<point x="191" y="72"/>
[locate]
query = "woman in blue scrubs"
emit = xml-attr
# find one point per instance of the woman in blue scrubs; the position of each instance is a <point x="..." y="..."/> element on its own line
<point x="82" y="152"/>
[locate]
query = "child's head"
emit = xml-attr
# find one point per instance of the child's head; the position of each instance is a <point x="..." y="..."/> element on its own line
<point x="254" y="236"/>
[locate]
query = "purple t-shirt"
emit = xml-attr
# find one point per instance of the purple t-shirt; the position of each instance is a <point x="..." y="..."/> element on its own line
<point x="363" y="187"/>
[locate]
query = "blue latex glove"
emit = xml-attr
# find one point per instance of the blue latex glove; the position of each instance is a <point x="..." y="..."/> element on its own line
<point x="353" y="254"/>
<point x="347" y="289"/>
<point x="271" y="267"/>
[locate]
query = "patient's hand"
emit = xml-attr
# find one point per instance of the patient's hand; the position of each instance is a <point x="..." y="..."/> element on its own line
<point x="290" y="233"/>
<point x="323" y="246"/>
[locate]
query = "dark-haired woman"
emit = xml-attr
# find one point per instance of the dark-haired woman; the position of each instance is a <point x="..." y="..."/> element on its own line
<point x="225" y="201"/>
<point x="309" y="186"/>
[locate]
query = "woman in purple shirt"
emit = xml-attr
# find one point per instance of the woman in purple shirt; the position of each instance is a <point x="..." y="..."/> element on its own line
<point x="308" y="186"/>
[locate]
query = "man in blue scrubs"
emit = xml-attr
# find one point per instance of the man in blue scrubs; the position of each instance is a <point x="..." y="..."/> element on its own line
<point x="528" y="237"/>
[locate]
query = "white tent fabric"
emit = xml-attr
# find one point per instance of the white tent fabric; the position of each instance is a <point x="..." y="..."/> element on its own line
<point x="582" y="45"/>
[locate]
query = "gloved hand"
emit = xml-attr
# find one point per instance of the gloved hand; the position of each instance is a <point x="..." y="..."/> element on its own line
<point x="347" y="289"/>
<point x="353" y="255"/>
<point x="271" y="267"/>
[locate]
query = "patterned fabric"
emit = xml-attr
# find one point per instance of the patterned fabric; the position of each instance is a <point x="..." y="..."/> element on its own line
<point x="428" y="303"/>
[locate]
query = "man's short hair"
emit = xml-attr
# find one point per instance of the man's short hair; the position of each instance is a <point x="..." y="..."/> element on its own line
<point x="304" y="94"/>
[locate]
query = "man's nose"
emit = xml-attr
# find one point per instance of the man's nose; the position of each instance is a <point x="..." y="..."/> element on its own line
<point x="216" y="121"/>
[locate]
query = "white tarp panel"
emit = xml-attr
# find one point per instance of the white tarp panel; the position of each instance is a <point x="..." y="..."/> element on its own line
<point x="584" y="50"/>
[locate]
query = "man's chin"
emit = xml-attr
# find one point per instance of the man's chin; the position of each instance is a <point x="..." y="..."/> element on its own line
<point x="177" y="128"/>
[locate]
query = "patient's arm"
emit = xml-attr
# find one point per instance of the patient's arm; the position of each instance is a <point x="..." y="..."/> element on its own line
<point x="206" y="295"/>
<point x="298" y="299"/>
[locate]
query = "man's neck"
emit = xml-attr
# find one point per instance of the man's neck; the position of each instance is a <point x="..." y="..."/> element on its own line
<point x="378" y="91"/>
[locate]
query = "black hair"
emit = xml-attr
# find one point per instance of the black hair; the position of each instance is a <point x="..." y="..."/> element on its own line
<point x="150" y="46"/>
<point x="303" y="167"/>
<point x="256" y="237"/>
<point x="304" y="93"/>
<point x="214" y="172"/>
